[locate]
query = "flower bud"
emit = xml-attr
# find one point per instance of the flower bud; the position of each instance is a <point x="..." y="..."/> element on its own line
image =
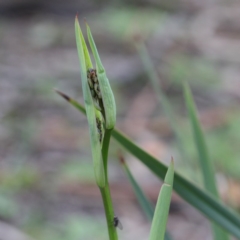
<point x="93" y="120"/>
<point x="109" y="106"/>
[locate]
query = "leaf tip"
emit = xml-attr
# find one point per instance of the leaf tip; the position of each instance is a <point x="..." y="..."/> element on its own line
<point x="66" y="97"/>
<point x="76" y="17"/>
<point x="170" y="173"/>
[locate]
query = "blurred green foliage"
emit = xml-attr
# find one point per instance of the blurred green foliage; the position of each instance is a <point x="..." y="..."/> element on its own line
<point x="78" y="170"/>
<point x="124" y="22"/>
<point x="198" y="72"/>
<point x="72" y="227"/>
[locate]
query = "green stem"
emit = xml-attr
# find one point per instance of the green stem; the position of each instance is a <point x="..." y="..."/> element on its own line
<point x="108" y="207"/>
<point x="105" y="192"/>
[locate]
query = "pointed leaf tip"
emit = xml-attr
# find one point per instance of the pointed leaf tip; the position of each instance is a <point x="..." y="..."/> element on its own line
<point x="170" y="174"/>
<point x="63" y="95"/>
<point x="76" y="17"/>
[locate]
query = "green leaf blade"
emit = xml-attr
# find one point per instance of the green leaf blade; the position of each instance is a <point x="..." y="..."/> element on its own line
<point x="144" y="202"/>
<point x="160" y="217"/>
<point x="203" y="155"/>
<point x="202" y="201"/>
<point x="204" y="160"/>
<point x="142" y="199"/>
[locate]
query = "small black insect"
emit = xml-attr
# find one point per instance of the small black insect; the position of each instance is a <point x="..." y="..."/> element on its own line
<point x="117" y="223"/>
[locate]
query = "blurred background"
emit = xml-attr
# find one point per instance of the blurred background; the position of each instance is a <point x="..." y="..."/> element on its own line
<point x="47" y="187"/>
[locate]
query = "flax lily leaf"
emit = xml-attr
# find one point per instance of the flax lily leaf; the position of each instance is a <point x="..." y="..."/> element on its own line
<point x="160" y="217"/>
<point x="85" y="63"/>
<point x="195" y="196"/>
<point x="205" y="162"/>
<point x="199" y="199"/>
<point x="204" y="159"/>
<point x="141" y="197"/>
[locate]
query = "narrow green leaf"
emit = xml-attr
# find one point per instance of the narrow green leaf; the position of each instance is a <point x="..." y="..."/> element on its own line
<point x="86" y="53"/>
<point x="141" y="197"/>
<point x="202" y="201"/>
<point x="72" y="101"/>
<point x="144" y="202"/>
<point x="95" y="51"/>
<point x="160" y="217"/>
<point x="219" y="234"/>
<point x="204" y="160"/>
<point x="203" y="156"/>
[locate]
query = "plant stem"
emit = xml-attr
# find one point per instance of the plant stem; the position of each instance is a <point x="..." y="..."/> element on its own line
<point x="108" y="207"/>
<point x="105" y="192"/>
